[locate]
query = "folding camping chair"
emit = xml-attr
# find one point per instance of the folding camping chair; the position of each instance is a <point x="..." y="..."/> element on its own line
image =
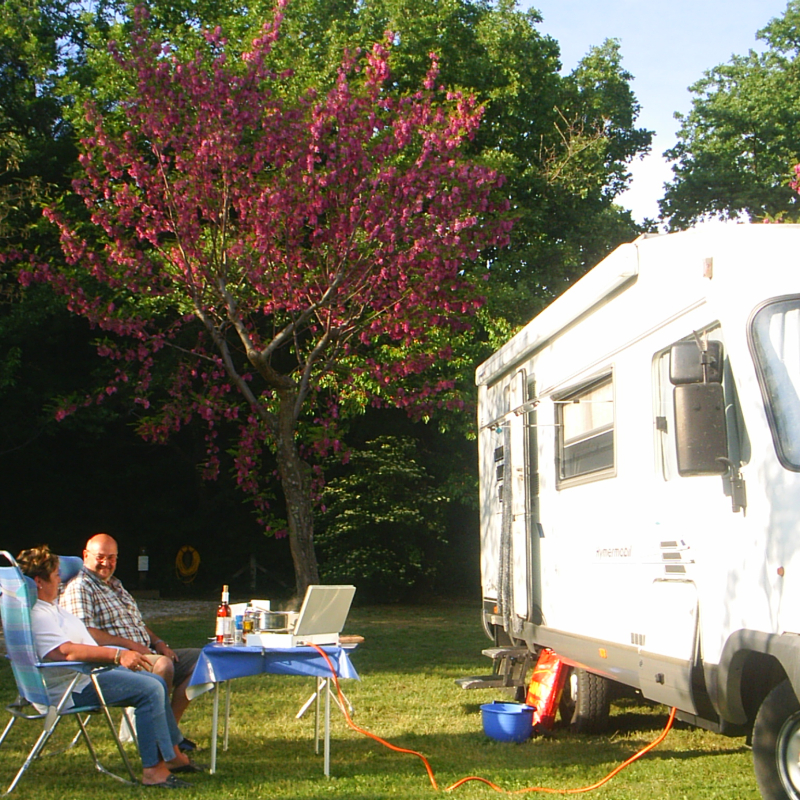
<point x="17" y="596"/>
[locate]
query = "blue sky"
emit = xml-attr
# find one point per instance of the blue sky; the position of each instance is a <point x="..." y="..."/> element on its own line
<point x="666" y="46"/>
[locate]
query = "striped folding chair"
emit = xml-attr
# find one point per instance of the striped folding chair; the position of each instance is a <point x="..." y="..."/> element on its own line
<point x="18" y="594"/>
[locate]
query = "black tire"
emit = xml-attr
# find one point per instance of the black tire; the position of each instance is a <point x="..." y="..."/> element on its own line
<point x="776" y="745"/>
<point x="586" y="702"/>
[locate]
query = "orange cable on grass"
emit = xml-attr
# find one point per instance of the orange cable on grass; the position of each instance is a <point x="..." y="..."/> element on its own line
<point x="343" y="705"/>
<point x="542" y="789"/>
<point x="655" y="743"/>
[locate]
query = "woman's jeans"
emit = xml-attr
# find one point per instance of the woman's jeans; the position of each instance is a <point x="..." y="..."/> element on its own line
<point x="156" y="730"/>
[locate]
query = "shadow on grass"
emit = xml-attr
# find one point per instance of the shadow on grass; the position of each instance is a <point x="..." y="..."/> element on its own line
<point x="266" y="763"/>
<point x="458" y="754"/>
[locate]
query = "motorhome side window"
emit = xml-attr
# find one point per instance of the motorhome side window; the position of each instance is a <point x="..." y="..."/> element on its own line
<point x="585" y="418"/>
<point x="775" y="341"/>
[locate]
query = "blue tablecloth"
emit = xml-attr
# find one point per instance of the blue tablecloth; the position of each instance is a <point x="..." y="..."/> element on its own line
<point x="219" y="663"/>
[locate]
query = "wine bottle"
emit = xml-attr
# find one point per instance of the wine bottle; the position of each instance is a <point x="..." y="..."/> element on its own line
<point x="224" y="630"/>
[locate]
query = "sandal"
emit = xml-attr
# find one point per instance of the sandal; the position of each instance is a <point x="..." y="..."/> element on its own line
<point x="190" y="767"/>
<point x="170" y="783"/>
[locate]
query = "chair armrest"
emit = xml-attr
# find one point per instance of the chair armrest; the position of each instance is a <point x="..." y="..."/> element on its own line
<point x="78" y="666"/>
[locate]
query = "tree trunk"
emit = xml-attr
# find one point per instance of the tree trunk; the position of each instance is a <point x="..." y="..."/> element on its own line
<point x="295" y="480"/>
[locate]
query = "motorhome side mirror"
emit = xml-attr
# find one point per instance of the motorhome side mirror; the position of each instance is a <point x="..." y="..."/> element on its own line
<point x="686" y="363"/>
<point x="700" y="436"/>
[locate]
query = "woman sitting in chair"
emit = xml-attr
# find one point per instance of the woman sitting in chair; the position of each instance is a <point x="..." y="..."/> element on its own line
<point x="60" y="636"/>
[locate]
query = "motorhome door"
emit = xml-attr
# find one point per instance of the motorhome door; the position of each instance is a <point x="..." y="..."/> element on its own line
<point x="518" y="506"/>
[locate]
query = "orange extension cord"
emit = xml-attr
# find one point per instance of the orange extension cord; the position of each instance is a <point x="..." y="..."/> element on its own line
<point x="655" y="743"/>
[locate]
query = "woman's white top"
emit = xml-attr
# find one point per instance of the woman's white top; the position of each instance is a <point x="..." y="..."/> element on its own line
<point x="52" y="627"/>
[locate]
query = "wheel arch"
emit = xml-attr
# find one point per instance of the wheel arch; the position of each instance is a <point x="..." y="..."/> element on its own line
<point x="752" y="664"/>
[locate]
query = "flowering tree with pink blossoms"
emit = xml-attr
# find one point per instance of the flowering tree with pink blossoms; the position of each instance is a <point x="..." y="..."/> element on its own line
<point x="277" y="254"/>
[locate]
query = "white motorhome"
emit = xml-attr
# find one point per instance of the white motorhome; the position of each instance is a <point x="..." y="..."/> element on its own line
<point x="639" y="447"/>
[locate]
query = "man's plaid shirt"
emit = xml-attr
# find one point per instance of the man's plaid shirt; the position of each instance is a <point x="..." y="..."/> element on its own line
<point x="106" y="606"/>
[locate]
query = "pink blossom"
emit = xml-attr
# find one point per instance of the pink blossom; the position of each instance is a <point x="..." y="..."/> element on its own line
<point x="275" y="254"/>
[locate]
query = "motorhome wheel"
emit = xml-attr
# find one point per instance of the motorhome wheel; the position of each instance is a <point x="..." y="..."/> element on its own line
<point x="586" y="702"/>
<point x="776" y="745"/>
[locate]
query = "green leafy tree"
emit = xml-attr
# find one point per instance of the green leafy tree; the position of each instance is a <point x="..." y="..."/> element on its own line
<point x="563" y="142"/>
<point x="384" y="523"/>
<point x="39" y="41"/>
<point x="743" y="132"/>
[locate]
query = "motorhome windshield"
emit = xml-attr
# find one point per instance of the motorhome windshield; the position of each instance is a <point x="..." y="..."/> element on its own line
<point x="775" y="337"/>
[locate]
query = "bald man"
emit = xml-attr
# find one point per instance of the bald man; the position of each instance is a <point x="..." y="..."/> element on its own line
<point x="101" y="602"/>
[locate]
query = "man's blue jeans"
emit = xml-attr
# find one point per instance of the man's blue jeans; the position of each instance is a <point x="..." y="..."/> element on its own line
<point x="156" y="730"/>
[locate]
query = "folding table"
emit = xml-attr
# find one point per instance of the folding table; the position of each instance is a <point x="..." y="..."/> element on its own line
<point x="220" y="664"/>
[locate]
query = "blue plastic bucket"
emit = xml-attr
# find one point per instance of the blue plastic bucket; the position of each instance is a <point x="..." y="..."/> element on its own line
<point x="507" y="722"/>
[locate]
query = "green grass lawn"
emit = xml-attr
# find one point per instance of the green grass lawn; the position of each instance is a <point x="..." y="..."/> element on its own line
<point x="408" y="663"/>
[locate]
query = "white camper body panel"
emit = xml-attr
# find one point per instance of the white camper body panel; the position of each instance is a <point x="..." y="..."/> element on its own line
<point x="632" y="566"/>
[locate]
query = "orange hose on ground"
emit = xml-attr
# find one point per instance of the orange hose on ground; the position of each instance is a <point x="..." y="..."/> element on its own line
<point x="343" y="704"/>
<point x="655" y="743"/>
<point x="542" y="789"/>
